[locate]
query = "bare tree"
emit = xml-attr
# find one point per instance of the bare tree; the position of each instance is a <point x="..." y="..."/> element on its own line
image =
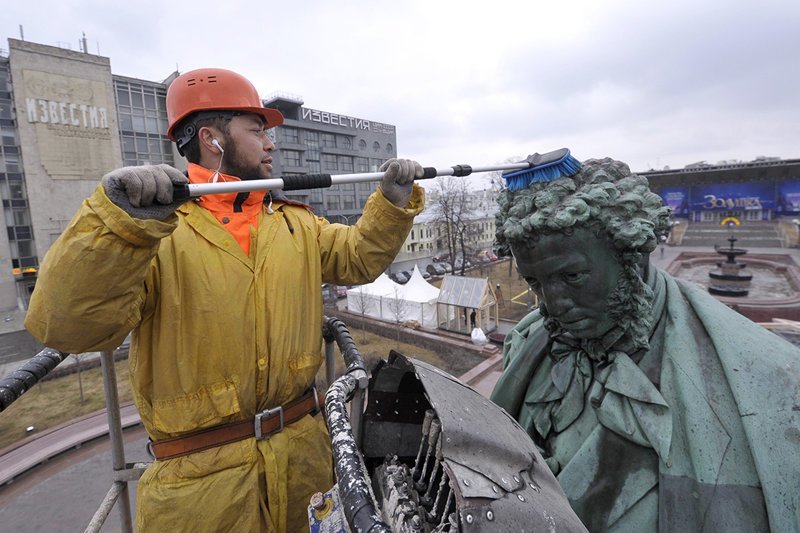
<point x="79" y="358"/>
<point x="453" y="216"/>
<point x="364" y="303"/>
<point x="498" y="183"/>
<point x="398" y="307"/>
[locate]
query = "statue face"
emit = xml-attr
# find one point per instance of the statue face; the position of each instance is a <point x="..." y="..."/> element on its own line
<point x="574" y="276"/>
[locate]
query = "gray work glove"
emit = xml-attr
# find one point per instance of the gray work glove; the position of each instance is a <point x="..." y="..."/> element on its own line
<point x="146" y="191"/>
<point x="399" y="180"/>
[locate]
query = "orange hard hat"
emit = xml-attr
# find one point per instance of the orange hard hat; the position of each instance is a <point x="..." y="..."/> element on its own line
<point x="214" y="89"/>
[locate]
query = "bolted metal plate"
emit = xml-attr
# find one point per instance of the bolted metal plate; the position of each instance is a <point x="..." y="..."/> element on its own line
<point x="478" y="435"/>
<point x="499" y="480"/>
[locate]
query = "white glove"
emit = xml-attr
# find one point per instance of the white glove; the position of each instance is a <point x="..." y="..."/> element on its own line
<point x="399" y="180"/>
<point x="146" y="191"/>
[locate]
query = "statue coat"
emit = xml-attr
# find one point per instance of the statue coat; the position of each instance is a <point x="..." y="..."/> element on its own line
<point x="731" y="460"/>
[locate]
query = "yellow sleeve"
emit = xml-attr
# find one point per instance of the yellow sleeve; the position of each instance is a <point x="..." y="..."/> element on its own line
<point x="353" y="255"/>
<point x="90" y="287"/>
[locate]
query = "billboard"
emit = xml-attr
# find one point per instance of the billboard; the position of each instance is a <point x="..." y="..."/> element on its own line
<point x="746" y="196"/>
<point x="678" y="199"/>
<point x="789" y="197"/>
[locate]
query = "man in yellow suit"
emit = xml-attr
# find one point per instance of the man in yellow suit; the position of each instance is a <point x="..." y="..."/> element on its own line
<point x="223" y="297"/>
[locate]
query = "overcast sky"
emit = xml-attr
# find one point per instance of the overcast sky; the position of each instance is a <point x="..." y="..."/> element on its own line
<point x="654" y="84"/>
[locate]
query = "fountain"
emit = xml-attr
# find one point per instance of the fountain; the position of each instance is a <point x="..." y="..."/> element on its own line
<point x="730" y="278"/>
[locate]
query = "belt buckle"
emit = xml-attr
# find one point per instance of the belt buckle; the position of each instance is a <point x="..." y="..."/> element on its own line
<point x="268" y="413"/>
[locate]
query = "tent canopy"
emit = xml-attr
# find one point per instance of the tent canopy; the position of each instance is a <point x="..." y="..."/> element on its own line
<point x="386" y="300"/>
<point x="382" y="286"/>
<point x="419" y="290"/>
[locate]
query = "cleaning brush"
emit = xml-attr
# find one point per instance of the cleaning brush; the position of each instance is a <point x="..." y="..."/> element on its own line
<point x="537" y="167"/>
<point x="543" y="168"/>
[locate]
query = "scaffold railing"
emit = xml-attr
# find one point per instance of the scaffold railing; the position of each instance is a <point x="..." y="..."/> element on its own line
<point x="13" y="386"/>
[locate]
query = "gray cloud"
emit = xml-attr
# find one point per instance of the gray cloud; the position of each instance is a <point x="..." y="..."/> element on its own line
<point x="658" y="84"/>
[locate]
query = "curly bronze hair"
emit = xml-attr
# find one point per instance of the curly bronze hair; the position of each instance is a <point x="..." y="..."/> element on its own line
<point x="603" y="196"/>
<point x="618" y="206"/>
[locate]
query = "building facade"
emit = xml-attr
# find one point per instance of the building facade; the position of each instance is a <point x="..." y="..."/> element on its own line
<point x="66" y="120"/>
<point x="319" y="142"/>
<point x="427" y="238"/>
<point x="760" y="190"/>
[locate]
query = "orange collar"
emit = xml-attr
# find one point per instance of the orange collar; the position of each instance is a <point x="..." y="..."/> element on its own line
<point x="221" y="202"/>
<point x="236" y="212"/>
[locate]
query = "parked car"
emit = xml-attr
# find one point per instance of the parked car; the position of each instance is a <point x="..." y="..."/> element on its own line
<point x="340" y="291"/>
<point x="435" y="269"/>
<point x="401" y="277"/>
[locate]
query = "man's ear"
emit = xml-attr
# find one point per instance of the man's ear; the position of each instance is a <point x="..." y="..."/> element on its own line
<point x="205" y="137"/>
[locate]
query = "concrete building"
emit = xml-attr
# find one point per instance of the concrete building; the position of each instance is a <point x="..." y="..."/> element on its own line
<point x="427" y="237"/>
<point x="761" y="190"/>
<point x="319" y="142"/>
<point x="66" y="120"/>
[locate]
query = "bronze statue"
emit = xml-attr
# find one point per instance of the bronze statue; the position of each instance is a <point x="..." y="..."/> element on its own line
<point x="657" y="407"/>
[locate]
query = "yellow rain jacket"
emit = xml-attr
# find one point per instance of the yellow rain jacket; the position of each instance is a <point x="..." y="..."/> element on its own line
<point x="218" y="337"/>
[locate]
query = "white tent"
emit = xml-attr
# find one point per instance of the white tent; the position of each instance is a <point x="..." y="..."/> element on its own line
<point x="420" y="300"/>
<point x="367" y="298"/>
<point x="384" y="299"/>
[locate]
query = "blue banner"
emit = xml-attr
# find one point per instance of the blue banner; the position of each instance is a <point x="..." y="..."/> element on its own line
<point x="789" y="197"/>
<point x="745" y="196"/>
<point x="678" y="199"/>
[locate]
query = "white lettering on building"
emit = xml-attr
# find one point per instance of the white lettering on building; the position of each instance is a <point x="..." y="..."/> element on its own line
<point x="323" y="117"/>
<point x="53" y="112"/>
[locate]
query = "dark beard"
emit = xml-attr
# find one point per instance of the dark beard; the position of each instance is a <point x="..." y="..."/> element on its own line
<point x="628" y="305"/>
<point x="232" y="165"/>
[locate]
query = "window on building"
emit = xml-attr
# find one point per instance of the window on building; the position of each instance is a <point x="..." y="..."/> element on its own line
<point x="9" y="162"/>
<point x="288" y="134"/>
<point x="23" y="249"/>
<point x="332" y="201"/>
<point x="328" y="140"/>
<point x="291" y="158"/>
<point x="311" y="138"/>
<point x="375" y="164"/>
<point x="389" y="148"/>
<point x="141" y="109"/>
<point x="344" y="142"/>
<point x="376" y="146"/>
<point x="312" y="154"/>
<point x="362" y="144"/>
<point x="349" y="201"/>
<point x="345" y="163"/>
<point x="362" y="164"/>
<point x="314" y="167"/>
<point x="329" y="161"/>
<point x="5" y="109"/>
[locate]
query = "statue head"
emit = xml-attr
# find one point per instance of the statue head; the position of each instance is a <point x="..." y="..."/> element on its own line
<point x="579" y="241"/>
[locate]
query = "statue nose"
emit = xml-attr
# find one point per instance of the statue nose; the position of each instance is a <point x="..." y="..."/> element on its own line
<point x="556" y="300"/>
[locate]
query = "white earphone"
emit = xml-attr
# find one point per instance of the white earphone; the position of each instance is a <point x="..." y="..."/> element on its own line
<point x="216" y="143"/>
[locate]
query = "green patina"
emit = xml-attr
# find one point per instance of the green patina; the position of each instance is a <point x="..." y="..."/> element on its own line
<point x="658" y="408"/>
